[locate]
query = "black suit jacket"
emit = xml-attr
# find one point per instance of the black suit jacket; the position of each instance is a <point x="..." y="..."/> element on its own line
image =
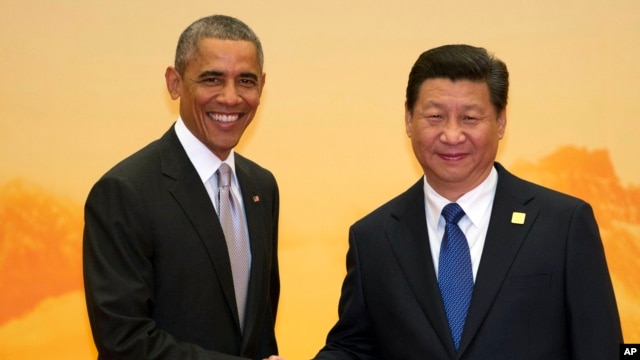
<point x="542" y="290"/>
<point x="157" y="273"/>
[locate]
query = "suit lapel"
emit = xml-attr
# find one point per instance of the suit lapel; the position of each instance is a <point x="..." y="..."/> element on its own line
<point x="253" y="203"/>
<point x="189" y="192"/>
<point x="503" y="242"/>
<point x="409" y="240"/>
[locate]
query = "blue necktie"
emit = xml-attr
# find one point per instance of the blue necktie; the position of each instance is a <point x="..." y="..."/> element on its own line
<point x="454" y="271"/>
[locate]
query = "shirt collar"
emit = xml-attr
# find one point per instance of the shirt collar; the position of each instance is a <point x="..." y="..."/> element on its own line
<point x="475" y="203"/>
<point x="205" y="161"/>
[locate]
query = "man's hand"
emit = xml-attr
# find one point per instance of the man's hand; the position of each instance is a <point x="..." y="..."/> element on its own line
<point x="274" y="357"/>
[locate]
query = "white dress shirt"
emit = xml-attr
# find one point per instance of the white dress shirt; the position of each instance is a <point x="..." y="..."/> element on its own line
<point x="477" y="205"/>
<point x="206" y="164"/>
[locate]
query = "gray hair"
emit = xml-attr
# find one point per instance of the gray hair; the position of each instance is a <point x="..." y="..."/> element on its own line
<point x="218" y="27"/>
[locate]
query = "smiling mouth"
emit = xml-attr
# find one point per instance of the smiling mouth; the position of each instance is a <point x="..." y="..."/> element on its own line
<point x="452" y="156"/>
<point x="223" y="118"/>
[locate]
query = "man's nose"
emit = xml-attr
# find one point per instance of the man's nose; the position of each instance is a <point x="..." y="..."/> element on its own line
<point x="229" y="94"/>
<point x="452" y="133"/>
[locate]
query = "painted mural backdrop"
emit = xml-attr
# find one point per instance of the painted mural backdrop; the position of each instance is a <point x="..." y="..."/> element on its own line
<point x="83" y="87"/>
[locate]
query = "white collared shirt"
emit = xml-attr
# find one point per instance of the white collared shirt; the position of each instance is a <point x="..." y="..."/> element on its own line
<point x="206" y="164"/>
<point x="477" y="205"/>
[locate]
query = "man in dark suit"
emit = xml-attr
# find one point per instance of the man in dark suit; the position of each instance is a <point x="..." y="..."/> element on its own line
<point x="160" y="280"/>
<point x="520" y="273"/>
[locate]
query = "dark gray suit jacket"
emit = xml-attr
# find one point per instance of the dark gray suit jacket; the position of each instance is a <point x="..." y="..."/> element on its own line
<point x="542" y="290"/>
<point x="157" y="273"/>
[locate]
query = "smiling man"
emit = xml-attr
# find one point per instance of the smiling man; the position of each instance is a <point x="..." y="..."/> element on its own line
<point x="180" y="241"/>
<point x="472" y="262"/>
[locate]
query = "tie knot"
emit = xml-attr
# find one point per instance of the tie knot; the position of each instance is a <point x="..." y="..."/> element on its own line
<point x="224" y="175"/>
<point x="452" y="213"/>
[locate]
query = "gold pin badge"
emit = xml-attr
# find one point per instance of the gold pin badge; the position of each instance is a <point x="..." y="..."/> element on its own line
<point x="518" y="218"/>
<point x="256" y="198"/>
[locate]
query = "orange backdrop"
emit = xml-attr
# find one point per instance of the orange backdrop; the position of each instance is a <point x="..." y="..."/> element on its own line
<point x="83" y="87"/>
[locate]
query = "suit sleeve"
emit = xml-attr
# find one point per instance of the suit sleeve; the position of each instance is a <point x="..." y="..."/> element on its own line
<point x="119" y="281"/>
<point x="594" y="321"/>
<point x="269" y="344"/>
<point x="351" y="336"/>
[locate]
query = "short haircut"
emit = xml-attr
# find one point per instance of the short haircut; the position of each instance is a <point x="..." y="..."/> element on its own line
<point x="217" y="27"/>
<point x="460" y="62"/>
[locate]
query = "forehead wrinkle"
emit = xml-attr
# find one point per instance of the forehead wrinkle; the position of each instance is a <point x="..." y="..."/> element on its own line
<point x="208" y="73"/>
<point x="456" y="104"/>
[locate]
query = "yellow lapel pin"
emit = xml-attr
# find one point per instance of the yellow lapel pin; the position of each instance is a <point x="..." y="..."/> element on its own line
<point x="518" y="218"/>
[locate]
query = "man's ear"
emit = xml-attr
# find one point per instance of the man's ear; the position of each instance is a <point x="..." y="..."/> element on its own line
<point x="174" y="82"/>
<point x="502" y="123"/>
<point x="407" y="119"/>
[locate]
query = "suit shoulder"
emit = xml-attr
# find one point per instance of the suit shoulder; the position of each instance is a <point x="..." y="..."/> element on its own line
<point x="143" y="161"/>
<point x="522" y="187"/>
<point x="254" y="168"/>
<point x="410" y="199"/>
<point x="129" y="178"/>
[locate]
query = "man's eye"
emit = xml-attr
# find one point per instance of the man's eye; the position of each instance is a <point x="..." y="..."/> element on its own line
<point x="247" y="82"/>
<point x="211" y="80"/>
